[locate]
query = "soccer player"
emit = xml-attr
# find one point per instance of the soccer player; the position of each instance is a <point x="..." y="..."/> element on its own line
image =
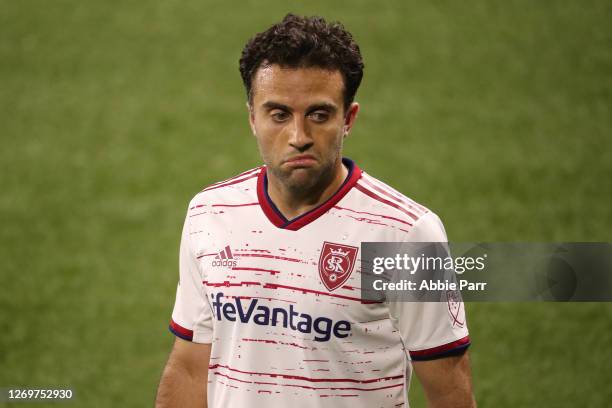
<point x="268" y="310"/>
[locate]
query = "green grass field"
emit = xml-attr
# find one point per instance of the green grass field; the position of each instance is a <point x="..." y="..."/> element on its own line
<point x="115" y="113"/>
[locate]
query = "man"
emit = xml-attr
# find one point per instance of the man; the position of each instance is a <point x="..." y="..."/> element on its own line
<point x="267" y="310"/>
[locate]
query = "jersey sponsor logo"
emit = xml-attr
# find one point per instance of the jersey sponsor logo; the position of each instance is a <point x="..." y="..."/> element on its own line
<point x="336" y="264"/>
<point x="225" y="258"/>
<point x="235" y="310"/>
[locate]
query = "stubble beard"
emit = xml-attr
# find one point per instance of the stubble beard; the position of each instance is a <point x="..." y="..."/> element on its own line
<point x="314" y="181"/>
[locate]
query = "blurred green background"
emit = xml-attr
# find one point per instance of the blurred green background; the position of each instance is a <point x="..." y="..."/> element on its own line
<point x="113" y="114"/>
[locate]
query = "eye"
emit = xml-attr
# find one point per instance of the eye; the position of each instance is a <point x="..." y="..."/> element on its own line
<point x="319" y="116"/>
<point x="279" y="115"/>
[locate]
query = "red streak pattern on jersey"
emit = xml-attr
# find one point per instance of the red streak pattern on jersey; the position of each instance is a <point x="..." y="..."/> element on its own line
<point x="251" y="283"/>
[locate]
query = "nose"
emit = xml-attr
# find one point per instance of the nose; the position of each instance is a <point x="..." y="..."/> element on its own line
<point x="299" y="137"/>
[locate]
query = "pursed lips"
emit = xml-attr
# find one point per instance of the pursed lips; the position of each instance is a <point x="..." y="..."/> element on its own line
<point x="301" y="160"/>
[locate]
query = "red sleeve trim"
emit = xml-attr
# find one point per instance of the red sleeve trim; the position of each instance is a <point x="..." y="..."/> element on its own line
<point x="456" y="347"/>
<point x="180" y="331"/>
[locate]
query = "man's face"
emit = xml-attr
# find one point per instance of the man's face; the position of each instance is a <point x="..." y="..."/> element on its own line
<point x="298" y="118"/>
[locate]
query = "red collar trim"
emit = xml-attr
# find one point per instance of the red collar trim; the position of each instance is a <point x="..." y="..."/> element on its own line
<point x="275" y="216"/>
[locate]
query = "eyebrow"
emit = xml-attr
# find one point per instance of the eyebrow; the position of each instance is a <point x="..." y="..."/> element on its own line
<point x="269" y="105"/>
<point x="275" y="105"/>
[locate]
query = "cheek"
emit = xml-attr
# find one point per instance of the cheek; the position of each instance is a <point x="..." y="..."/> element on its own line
<point x="264" y="146"/>
<point x="335" y="140"/>
<point x="268" y="142"/>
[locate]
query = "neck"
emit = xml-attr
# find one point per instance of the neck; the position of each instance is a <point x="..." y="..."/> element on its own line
<point x="294" y="202"/>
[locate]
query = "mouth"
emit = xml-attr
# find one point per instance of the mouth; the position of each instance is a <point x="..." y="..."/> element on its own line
<point x="303" y="160"/>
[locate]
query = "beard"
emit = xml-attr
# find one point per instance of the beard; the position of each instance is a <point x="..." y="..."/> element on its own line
<point x="305" y="181"/>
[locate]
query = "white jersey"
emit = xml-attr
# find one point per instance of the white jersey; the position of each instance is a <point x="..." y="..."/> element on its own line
<point x="280" y="299"/>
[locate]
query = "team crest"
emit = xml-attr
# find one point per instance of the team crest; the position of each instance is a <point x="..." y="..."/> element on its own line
<point x="336" y="264"/>
<point x="453" y="297"/>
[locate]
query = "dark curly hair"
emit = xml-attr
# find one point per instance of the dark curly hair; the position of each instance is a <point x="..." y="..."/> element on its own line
<point x="304" y="42"/>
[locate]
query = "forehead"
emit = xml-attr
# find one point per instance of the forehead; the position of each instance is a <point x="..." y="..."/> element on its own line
<point x="295" y="86"/>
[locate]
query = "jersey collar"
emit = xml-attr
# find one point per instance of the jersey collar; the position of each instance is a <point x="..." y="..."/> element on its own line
<point x="278" y="219"/>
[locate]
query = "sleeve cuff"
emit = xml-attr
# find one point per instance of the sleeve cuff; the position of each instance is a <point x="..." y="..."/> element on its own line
<point x="454" y="348"/>
<point x="180" y="331"/>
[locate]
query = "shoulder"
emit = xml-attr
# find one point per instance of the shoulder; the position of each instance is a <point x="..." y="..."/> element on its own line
<point x="425" y="225"/>
<point x="232" y="191"/>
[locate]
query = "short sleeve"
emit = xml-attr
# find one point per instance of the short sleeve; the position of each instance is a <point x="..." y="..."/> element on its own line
<point x="431" y="330"/>
<point x="191" y="316"/>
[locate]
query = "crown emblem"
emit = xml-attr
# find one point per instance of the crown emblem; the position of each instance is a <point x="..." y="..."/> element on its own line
<point x="338" y="252"/>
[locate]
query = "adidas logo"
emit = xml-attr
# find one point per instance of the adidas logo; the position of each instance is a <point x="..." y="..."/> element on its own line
<point x="225" y="258"/>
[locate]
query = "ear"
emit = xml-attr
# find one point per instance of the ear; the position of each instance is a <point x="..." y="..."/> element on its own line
<point x="251" y="118"/>
<point x="350" y="117"/>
